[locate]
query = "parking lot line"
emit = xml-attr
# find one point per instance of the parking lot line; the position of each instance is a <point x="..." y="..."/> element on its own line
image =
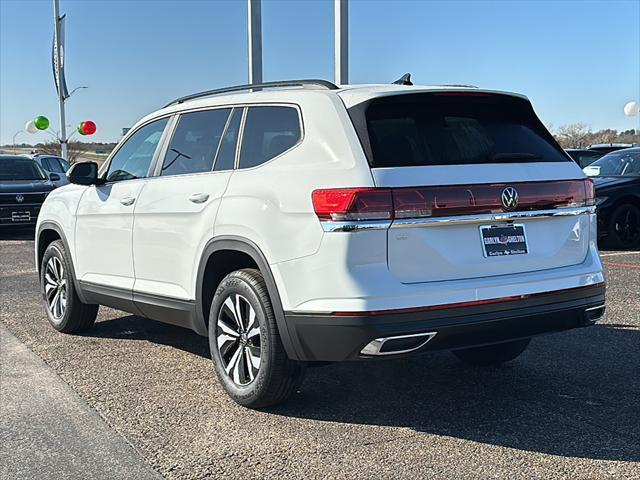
<point x="622" y="265"/>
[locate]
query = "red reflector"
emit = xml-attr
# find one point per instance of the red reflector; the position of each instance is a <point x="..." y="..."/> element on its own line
<point x="353" y="204"/>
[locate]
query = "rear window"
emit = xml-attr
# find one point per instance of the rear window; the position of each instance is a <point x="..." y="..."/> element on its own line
<point x="454" y="129"/>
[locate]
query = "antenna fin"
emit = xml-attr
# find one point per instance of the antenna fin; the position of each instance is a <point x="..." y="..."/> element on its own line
<point x="404" y="80"/>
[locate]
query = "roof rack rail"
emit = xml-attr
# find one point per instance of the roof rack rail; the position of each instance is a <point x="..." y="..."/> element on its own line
<point x="250" y="86"/>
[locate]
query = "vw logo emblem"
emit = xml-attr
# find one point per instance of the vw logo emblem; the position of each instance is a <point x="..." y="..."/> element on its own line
<point x="509" y="198"/>
<point x="19" y="198"/>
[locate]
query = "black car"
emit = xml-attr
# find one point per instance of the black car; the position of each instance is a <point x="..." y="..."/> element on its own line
<point x="617" y="181"/>
<point x="609" y="147"/>
<point x="23" y="187"/>
<point x="584" y="156"/>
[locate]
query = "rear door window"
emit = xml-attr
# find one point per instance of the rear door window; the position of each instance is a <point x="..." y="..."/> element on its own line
<point x="268" y="132"/>
<point x="454" y="128"/>
<point x="195" y="141"/>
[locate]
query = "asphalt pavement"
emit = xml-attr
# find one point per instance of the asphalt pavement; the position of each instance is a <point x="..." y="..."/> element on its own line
<point x="569" y="407"/>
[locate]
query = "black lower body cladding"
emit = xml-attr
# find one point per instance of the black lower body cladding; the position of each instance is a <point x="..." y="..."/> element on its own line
<point x="319" y="337"/>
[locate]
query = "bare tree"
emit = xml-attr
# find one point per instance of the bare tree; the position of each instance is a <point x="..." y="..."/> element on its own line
<point x="74" y="149"/>
<point x="574" y="135"/>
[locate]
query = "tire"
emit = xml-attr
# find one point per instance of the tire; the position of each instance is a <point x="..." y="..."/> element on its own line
<point x="248" y="356"/>
<point x="492" y="354"/>
<point x="623" y="230"/>
<point x="65" y="312"/>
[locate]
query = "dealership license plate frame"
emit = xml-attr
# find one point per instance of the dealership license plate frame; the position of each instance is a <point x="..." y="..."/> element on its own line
<point x="21" y="217"/>
<point x="522" y="248"/>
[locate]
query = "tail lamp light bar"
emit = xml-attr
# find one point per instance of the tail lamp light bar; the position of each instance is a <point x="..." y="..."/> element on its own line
<point x="367" y="204"/>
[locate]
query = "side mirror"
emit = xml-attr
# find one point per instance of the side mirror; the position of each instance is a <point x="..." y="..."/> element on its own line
<point x="54" y="177"/>
<point x="84" y="173"/>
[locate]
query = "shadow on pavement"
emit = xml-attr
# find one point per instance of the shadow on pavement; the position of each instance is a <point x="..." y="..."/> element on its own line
<point x="573" y="394"/>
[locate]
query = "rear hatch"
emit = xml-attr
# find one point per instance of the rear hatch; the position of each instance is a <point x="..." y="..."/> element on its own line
<point x="477" y="183"/>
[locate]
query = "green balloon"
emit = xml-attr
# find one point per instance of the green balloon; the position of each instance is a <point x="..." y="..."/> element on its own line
<point x="80" y="129"/>
<point x="42" y="123"/>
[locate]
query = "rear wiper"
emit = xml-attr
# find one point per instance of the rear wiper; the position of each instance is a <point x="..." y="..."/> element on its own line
<point x="502" y="157"/>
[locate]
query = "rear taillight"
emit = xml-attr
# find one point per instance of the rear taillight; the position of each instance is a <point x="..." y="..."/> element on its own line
<point x="354" y="204"/>
<point x="342" y="204"/>
<point x="589" y="192"/>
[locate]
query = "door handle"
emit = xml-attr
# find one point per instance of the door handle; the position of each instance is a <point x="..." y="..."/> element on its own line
<point x="126" y="201"/>
<point x="199" y="197"/>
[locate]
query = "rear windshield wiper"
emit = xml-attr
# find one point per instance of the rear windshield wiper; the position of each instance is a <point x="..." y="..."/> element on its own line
<point x="514" y="156"/>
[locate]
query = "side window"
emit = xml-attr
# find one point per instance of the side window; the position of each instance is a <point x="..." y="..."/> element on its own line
<point x="268" y="131"/>
<point x="65" y="165"/>
<point x="133" y="159"/>
<point x="194" y="144"/>
<point x="227" y="151"/>
<point x="56" y="165"/>
<point x="46" y="164"/>
<point x="51" y="164"/>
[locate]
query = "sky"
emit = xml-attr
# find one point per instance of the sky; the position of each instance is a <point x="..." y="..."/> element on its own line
<point x="578" y="61"/>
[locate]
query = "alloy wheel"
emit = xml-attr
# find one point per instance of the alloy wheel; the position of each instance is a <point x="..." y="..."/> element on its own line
<point x="238" y="339"/>
<point x="627" y="226"/>
<point x="55" y="288"/>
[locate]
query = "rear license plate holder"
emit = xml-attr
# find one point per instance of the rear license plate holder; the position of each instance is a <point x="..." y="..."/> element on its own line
<point x="503" y="240"/>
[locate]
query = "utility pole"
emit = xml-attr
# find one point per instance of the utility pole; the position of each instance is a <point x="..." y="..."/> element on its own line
<point x="341" y="18"/>
<point x="58" y="59"/>
<point x="254" y="29"/>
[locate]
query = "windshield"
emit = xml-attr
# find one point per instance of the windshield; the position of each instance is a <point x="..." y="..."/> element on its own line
<point x="450" y="128"/>
<point x="622" y="163"/>
<point x="20" y="169"/>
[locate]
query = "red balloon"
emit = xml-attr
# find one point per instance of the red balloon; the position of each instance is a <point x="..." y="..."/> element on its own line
<point x="88" y="127"/>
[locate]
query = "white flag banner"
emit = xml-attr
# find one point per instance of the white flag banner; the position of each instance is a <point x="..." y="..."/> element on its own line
<point x="58" y="70"/>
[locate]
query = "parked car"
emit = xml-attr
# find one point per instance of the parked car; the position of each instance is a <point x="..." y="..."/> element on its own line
<point x="53" y="164"/>
<point x="609" y="147"/>
<point x="617" y="181"/>
<point x="311" y="223"/>
<point x="23" y="188"/>
<point x="583" y="156"/>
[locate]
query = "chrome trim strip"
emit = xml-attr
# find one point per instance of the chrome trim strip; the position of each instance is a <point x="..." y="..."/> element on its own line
<point x="374" y="347"/>
<point x="599" y="307"/>
<point x="354" y="226"/>
<point x="489" y="217"/>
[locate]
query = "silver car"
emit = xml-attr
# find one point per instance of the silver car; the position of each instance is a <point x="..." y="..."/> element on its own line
<point x="52" y="164"/>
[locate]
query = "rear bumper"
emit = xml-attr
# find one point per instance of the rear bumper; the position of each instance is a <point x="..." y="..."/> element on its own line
<point x="338" y="337"/>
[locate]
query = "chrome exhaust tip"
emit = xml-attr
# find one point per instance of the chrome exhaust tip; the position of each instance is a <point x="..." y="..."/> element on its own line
<point x="397" y="344"/>
<point x="593" y="314"/>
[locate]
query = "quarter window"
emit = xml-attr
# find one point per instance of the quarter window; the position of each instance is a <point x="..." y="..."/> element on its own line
<point x="133" y="159"/>
<point x="268" y="132"/>
<point x="195" y="142"/>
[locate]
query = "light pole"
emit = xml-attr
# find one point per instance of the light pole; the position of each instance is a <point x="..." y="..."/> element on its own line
<point x="254" y="30"/>
<point x="14" y="137"/>
<point x="59" y="79"/>
<point x="341" y="33"/>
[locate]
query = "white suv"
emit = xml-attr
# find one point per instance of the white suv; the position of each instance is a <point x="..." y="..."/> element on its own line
<point x="316" y="223"/>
